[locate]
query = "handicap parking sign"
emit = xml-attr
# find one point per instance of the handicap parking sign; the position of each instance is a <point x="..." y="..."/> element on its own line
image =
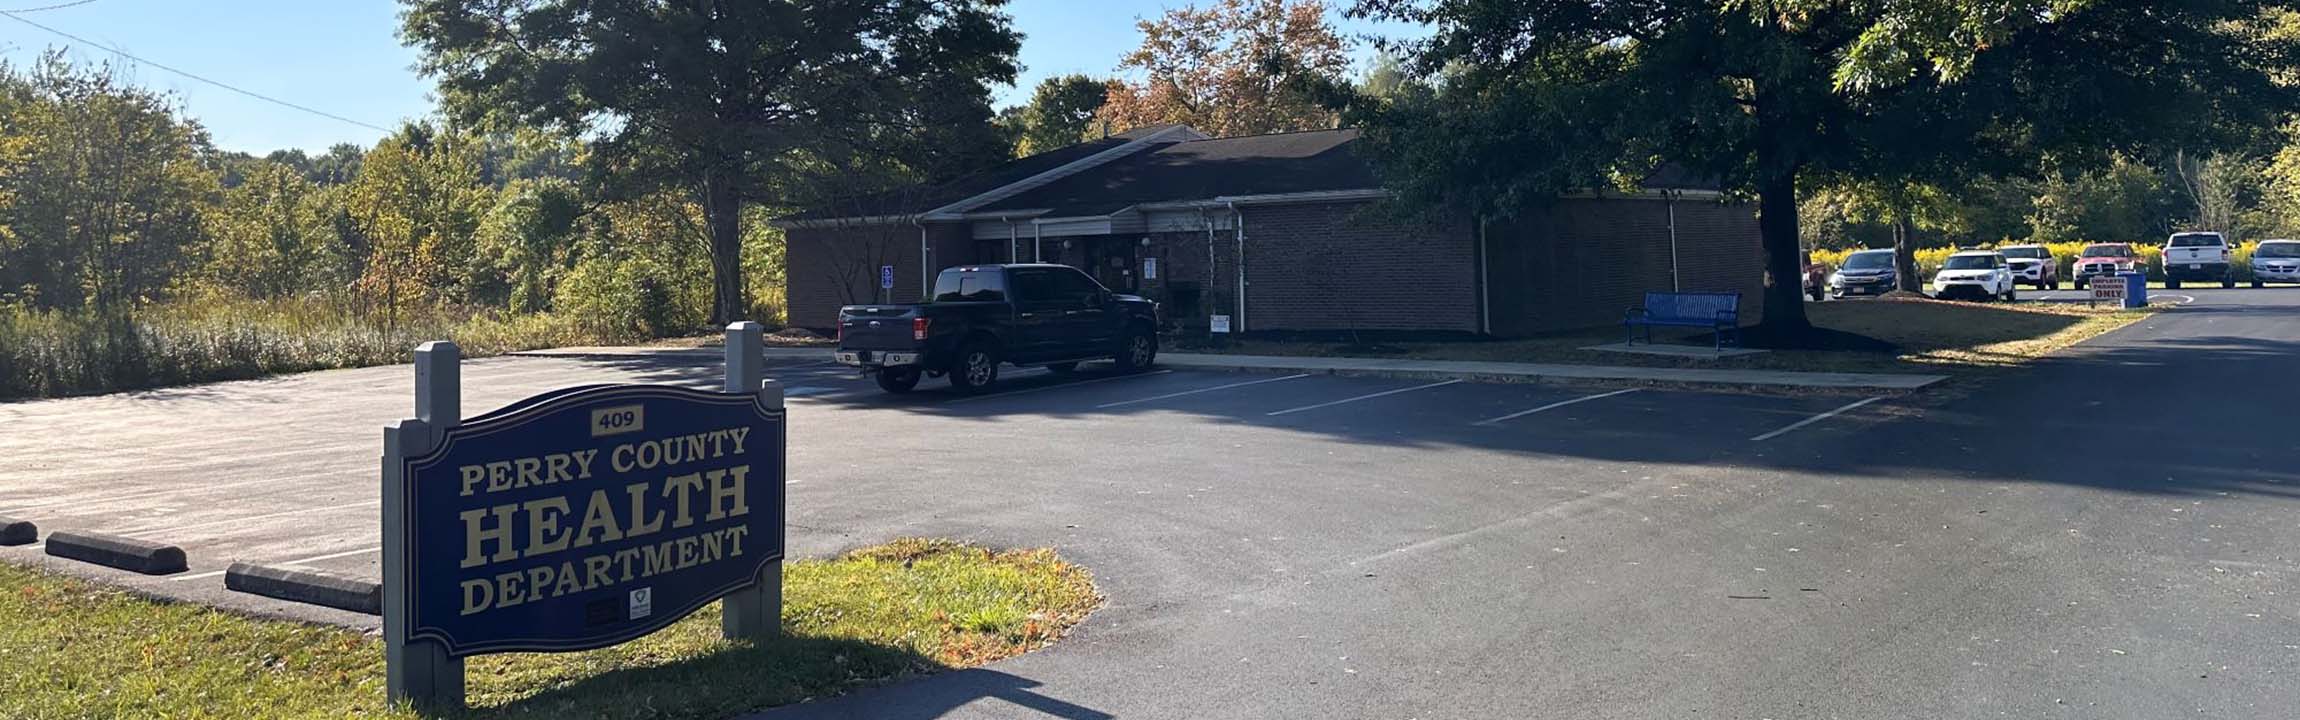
<point x="886" y="277"/>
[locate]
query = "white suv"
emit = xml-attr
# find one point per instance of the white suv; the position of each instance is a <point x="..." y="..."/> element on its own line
<point x="1978" y="274"/>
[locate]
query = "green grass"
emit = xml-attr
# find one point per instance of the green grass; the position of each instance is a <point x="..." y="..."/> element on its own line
<point x="56" y="353"/>
<point x="1932" y="337"/>
<point x="74" y="649"/>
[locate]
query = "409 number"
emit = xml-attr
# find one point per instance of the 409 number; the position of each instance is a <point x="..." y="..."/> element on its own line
<point x="618" y="420"/>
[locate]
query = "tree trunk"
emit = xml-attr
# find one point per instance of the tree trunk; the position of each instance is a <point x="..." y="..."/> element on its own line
<point x="723" y="212"/>
<point x="1784" y="263"/>
<point x="1905" y="255"/>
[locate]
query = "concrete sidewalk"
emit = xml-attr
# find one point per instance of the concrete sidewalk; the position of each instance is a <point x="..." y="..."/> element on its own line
<point x="1400" y="368"/>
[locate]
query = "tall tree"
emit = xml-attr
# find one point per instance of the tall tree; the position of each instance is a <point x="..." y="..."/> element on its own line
<point x="1544" y="96"/>
<point x="1902" y="206"/>
<point x="1060" y="113"/>
<point x="1238" y="67"/>
<point x="274" y="235"/>
<point x="730" y="102"/>
<point x="416" y="208"/>
<point x="107" y="186"/>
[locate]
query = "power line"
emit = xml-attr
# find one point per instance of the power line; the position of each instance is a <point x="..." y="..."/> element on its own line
<point x="11" y="14"/>
<point x="49" y="7"/>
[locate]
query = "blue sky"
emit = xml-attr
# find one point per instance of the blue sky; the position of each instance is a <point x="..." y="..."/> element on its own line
<point x="343" y="56"/>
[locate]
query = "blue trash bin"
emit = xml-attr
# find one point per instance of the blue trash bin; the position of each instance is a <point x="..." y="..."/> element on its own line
<point x="2135" y="290"/>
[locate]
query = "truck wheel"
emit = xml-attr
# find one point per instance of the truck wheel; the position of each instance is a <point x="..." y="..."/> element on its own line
<point x="2171" y="283"/>
<point x="2077" y="283"/>
<point x="1062" y="368"/>
<point x="1139" y="351"/>
<point x="898" y="380"/>
<point x="2227" y="283"/>
<point x="977" y="368"/>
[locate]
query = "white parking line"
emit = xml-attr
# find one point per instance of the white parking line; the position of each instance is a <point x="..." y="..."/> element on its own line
<point x="1200" y="390"/>
<point x="331" y="556"/>
<point x="1027" y="391"/>
<point x="1814" y="419"/>
<point x="140" y="494"/>
<point x="229" y="521"/>
<point x="1552" y="406"/>
<point x="1371" y="396"/>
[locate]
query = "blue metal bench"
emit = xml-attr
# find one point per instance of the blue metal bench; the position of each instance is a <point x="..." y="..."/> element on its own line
<point x="1720" y="312"/>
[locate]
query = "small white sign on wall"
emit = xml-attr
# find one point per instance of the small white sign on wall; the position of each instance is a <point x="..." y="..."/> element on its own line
<point x="1221" y="323"/>
<point x="1149" y="268"/>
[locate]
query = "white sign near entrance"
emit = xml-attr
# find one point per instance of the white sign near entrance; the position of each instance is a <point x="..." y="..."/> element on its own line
<point x="1221" y="323"/>
<point x="2109" y="289"/>
<point x="1149" y="268"/>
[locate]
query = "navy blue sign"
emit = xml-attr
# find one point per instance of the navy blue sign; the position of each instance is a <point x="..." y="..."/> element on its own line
<point x="591" y="516"/>
<point x="886" y="277"/>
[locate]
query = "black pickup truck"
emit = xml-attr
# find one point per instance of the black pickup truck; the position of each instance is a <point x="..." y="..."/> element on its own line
<point x="982" y="315"/>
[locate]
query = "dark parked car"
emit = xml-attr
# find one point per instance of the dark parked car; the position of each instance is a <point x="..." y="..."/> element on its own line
<point x="983" y="315"/>
<point x="1868" y="272"/>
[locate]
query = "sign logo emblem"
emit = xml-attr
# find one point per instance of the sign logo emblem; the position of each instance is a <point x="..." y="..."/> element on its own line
<point x="642" y="603"/>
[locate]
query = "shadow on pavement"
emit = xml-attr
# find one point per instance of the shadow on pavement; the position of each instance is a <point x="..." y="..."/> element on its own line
<point x="934" y="697"/>
<point x="2170" y="414"/>
<point x="795" y="674"/>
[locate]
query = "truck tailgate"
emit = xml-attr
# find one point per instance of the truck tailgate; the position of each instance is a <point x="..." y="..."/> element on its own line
<point x="877" y="327"/>
<point x="2195" y="255"/>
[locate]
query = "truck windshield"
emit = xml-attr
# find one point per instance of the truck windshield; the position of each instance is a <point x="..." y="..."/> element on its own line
<point x="964" y="285"/>
<point x="1874" y="260"/>
<point x="2196" y="240"/>
<point x="2107" y="251"/>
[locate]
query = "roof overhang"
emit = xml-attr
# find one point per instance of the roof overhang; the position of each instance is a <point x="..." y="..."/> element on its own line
<point x="845" y="222"/>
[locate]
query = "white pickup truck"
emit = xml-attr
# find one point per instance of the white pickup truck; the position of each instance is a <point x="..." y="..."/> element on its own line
<point x="2198" y="256"/>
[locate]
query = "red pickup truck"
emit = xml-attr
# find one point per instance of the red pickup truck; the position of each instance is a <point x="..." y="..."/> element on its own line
<point x="2103" y="260"/>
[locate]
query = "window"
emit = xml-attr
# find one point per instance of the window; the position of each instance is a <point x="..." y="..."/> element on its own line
<point x="955" y="285"/>
<point x="2107" y="251"/>
<point x="1034" y="286"/>
<point x="2277" y="250"/>
<point x="1970" y="262"/>
<point x="2197" y="240"/>
<point x="1870" y="260"/>
<point x="2030" y="253"/>
<point x="1072" y="287"/>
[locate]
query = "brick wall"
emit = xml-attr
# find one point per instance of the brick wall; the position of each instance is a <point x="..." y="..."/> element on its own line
<point x="1581" y="262"/>
<point x="830" y="267"/>
<point x="1334" y="266"/>
<point x="1575" y="264"/>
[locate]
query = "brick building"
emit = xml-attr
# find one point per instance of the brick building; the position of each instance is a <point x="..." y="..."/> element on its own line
<point x="1277" y="232"/>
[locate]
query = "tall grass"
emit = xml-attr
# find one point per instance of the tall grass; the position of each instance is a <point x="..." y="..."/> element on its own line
<point x="50" y="353"/>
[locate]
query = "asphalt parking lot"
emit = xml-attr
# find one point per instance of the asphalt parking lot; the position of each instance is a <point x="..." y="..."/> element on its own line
<point x="282" y="471"/>
<point x="2109" y="534"/>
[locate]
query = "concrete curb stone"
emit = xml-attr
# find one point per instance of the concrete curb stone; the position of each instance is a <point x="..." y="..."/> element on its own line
<point x="17" y="532"/>
<point x="315" y="587"/>
<point x="143" y="556"/>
